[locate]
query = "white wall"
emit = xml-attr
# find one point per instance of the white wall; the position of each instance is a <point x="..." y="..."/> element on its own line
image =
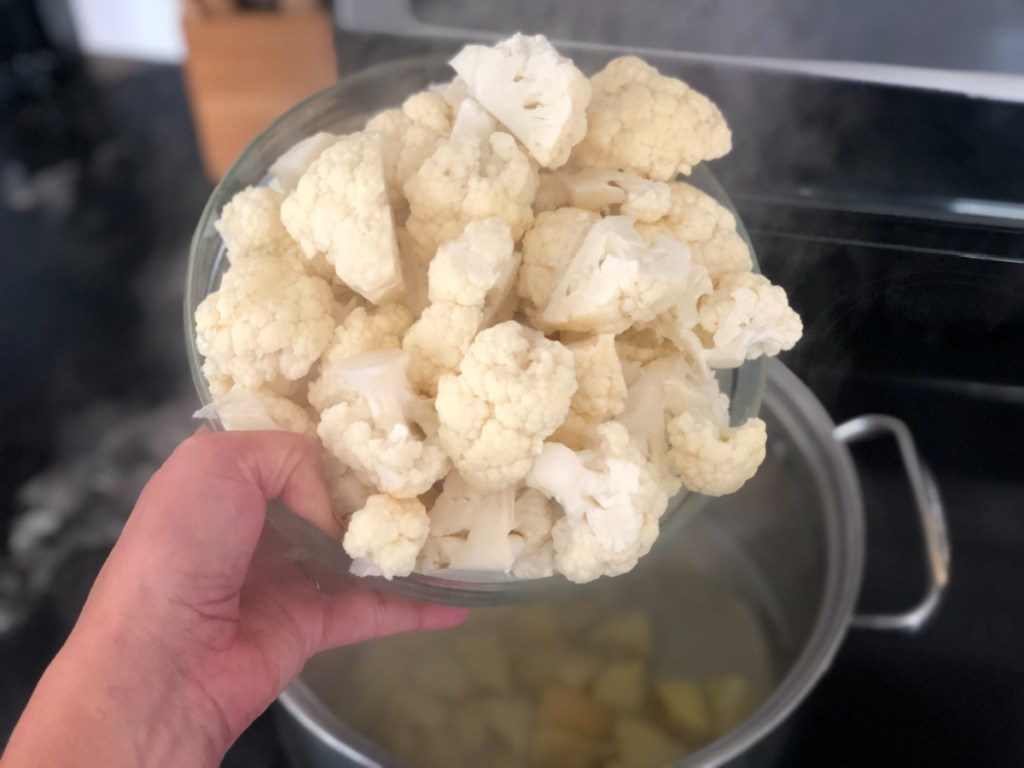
<point x="132" y="29"/>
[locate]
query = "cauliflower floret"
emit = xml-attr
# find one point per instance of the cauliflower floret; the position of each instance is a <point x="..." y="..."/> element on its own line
<point x="360" y="331"/>
<point x="382" y="430"/>
<point x="474" y="530"/>
<point x="472" y="121"/>
<point x="454" y="92"/>
<point x="348" y="493"/>
<point x="246" y="410"/>
<point x="540" y="96"/>
<point x="642" y="122"/>
<point x="601" y="394"/>
<point x="547" y="248"/>
<point x="267" y="320"/>
<point x="746" y="317"/>
<point x="408" y="137"/>
<point x="340" y="210"/>
<point x="513" y="390"/>
<point x="606" y="192"/>
<point x="616" y="280"/>
<point x="611" y="499"/>
<point x="468" y="281"/>
<point x="710" y="456"/>
<point x="466" y="180"/>
<point x="698" y="220"/>
<point x="385" y="536"/>
<point x="289" y="167"/>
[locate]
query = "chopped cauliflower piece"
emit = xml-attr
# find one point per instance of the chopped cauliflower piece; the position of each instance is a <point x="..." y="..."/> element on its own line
<point x="340" y="210"/>
<point x="601" y="394"/>
<point x="267" y="320"/>
<point x="382" y="429"/>
<point x="408" y="136"/>
<point x="700" y="221"/>
<point x="466" y="179"/>
<point x="616" y="280"/>
<point x="605" y="192"/>
<point x="612" y="503"/>
<point x="744" y="318"/>
<point x="360" y="331"/>
<point x="512" y="391"/>
<point x="257" y="409"/>
<point x="474" y="530"/>
<point x="286" y="171"/>
<point x="547" y="248"/>
<point x="468" y="282"/>
<point x="473" y="122"/>
<point x="385" y="536"/>
<point x="642" y="122"/>
<point x="540" y="96"/>
<point x="708" y="454"/>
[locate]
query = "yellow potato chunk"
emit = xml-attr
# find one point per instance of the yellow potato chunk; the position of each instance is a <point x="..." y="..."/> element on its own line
<point x="622" y="686"/>
<point x="685" y="704"/>
<point x="511" y="720"/>
<point x="642" y="745"/>
<point x="555" y="747"/>
<point x="485" y="659"/>
<point x="438" y="671"/>
<point x="470" y="725"/>
<point x="535" y="668"/>
<point x="576" y="668"/>
<point x="631" y="634"/>
<point x="731" y="699"/>
<point x="571" y="710"/>
<point x="416" y="708"/>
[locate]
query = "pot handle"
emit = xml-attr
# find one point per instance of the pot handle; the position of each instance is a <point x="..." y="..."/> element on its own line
<point x="929" y="510"/>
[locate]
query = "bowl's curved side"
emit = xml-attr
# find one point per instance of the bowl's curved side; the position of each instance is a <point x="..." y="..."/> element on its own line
<point x="346" y="106"/>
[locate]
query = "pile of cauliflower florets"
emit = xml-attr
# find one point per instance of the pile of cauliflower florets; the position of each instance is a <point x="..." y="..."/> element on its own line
<point x="500" y="313"/>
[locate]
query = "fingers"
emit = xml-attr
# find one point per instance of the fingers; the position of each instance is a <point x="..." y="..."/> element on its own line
<point x="362" y="615"/>
<point x="205" y="508"/>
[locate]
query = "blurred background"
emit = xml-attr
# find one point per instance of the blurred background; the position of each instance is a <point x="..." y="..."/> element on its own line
<point x="878" y="164"/>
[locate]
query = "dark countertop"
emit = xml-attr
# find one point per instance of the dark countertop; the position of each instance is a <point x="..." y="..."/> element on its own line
<point x="102" y="187"/>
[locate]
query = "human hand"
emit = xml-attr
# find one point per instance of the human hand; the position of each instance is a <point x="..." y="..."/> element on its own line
<point x="197" y="621"/>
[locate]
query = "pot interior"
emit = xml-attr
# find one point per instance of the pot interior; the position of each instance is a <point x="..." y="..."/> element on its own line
<point x="739" y="606"/>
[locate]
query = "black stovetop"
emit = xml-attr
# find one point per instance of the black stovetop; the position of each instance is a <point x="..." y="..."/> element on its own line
<point x="909" y="310"/>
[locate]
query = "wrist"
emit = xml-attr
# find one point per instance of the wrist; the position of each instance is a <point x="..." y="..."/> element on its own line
<point x="103" y="702"/>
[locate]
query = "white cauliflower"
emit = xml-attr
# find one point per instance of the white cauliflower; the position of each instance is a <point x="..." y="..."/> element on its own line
<point x="466" y="179"/>
<point x="385" y="536"/>
<point x="473" y="122"/>
<point x="340" y="210"/>
<point x="408" y="137"/>
<point x="746" y="317"/>
<point x="361" y="331"/>
<point x="697" y="219"/>
<point x="642" y="122"/>
<point x="547" y="248"/>
<point x="605" y="192"/>
<point x="540" y="96"/>
<point x="611" y="499"/>
<point x="616" y="279"/>
<point x="601" y="394"/>
<point x="267" y="320"/>
<point x="246" y="410"/>
<point x="348" y="493"/>
<point x="286" y="171"/>
<point x="489" y="531"/>
<point x="382" y="429"/>
<point x="468" y="282"/>
<point x="454" y="92"/>
<point x="679" y="418"/>
<point x="512" y="391"/>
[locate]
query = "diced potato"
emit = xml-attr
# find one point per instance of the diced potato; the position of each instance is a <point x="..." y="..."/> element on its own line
<point x="631" y="634"/>
<point x="440" y="751"/>
<point x="685" y="705"/>
<point x="642" y="745"/>
<point x="534" y="623"/>
<point x="535" y="668"/>
<point x="495" y="758"/>
<point x="402" y="739"/>
<point x="439" y="672"/>
<point x="576" y="667"/>
<point x="578" y="616"/>
<point x="486" y="660"/>
<point x="565" y="708"/>
<point x="510" y="719"/>
<point x="470" y="725"/>
<point x="415" y="708"/>
<point x="555" y="747"/>
<point x="622" y="686"/>
<point x="731" y="699"/>
<point x="381" y="667"/>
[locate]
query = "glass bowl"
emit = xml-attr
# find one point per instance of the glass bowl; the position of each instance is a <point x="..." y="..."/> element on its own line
<point x="343" y="108"/>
